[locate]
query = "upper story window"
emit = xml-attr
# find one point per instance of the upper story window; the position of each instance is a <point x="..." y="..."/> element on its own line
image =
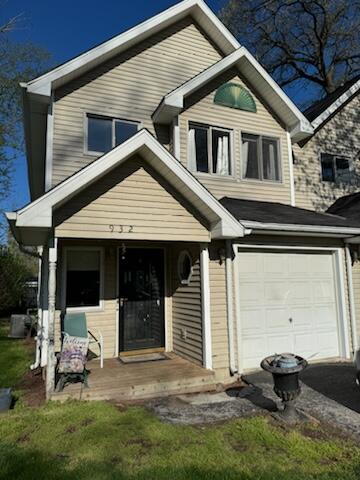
<point x="105" y="133"/>
<point x="260" y="157"/>
<point x="335" y="168"/>
<point x="209" y="149"/>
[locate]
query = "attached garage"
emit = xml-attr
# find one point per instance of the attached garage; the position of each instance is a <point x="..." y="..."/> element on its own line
<point x="289" y="302"/>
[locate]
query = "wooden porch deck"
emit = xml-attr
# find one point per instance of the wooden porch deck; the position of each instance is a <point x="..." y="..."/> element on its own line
<point x="136" y="381"/>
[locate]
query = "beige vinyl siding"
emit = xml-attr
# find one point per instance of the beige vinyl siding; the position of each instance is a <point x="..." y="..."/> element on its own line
<point x="218" y="310"/>
<point x="130" y="86"/>
<point x="201" y="109"/>
<point x="186" y="304"/>
<point x="134" y="199"/>
<point x="340" y="136"/>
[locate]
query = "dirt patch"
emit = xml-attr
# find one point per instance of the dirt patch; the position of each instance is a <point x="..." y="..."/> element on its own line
<point x="24" y="438"/>
<point x="87" y="422"/>
<point x="71" y="429"/>
<point x="33" y="388"/>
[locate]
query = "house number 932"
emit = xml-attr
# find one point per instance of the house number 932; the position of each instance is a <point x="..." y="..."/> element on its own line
<point x="121" y="228"/>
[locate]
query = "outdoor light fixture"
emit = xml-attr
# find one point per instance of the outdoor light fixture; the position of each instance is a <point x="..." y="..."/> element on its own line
<point x="222" y="255"/>
<point x="285" y="369"/>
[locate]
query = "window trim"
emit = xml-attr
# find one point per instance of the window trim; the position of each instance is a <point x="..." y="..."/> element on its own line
<point x="113" y="119"/>
<point x="97" y="308"/>
<point x="209" y="128"/>
<point x="335" y="156"/>
<point x="262" y="180"/>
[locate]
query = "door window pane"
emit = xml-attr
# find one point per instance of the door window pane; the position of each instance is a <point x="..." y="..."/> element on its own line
<point x="201" y="146"/>
<point x="220" y="152"/>
<point x="83" y="278"/>
<point x="124" y="130"/>
<point x="270" y="159"/>
<point x="99" y="134"/>
<point x="250" y="156"/>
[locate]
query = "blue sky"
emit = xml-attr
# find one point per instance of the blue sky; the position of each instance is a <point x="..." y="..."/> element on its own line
<point x="73" y="27"/>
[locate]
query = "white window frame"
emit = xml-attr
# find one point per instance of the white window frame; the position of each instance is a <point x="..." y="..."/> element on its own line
<point x="209" y="129"/>
<point x="104" y="117"/>
<point x="336" y="181"/>
<point x="261" y="136"/>
<point x="95" y="308"/>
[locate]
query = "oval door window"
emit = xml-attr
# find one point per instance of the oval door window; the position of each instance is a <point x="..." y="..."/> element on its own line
<point x="185" y="269"/>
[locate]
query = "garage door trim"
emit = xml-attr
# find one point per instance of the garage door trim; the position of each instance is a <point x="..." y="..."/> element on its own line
<point x="338" y="263"/>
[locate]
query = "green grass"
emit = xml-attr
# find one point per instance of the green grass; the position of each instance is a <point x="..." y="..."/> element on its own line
<point x="15" y="357"/>
<point x="98" y="441"/>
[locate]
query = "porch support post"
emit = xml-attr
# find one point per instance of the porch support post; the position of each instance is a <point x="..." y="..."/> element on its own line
<point x="50" y="370"/>
<point x="230" y="304"/>
<point x="205" y="306"/>
<point x="44" y="298"/>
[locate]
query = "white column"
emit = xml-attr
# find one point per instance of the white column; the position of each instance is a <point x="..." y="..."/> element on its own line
<point x="230" y="304"/>
<point x="51" y="361"/>
<point x="349" y="275"/>
<point x="45" y="307"/>
<point x="205" y="306"/>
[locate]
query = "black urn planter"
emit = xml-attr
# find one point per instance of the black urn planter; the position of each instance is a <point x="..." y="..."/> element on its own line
<point x="285" y="369"/>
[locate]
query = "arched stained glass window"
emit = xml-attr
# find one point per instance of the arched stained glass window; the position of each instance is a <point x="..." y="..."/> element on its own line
<point x="234" y="95"/>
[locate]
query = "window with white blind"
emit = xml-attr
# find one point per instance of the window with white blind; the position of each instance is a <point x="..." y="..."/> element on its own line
<point x="82" y="278"/>
<point x="260" y="157"/>
<point x="209" y="149"/>
<point x="335" y="168"/>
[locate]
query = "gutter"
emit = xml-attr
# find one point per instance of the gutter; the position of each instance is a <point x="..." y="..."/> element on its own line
<point x="298" y="228"/>
<point x="230" y="305"/>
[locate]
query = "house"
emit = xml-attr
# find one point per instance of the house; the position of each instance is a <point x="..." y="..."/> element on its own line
<point x="163" y="205"/>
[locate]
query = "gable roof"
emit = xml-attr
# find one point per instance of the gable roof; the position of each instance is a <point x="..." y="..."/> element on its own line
<point x="322" y="110"/>
<point x="39" y="213"/>
<point x="298" y="125"/>
<point x="277" y="217"/>
<point x="198" y="9"/>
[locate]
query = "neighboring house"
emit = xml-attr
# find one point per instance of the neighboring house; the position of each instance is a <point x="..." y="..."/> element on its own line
<point x="162" y="197"/>
<point x="327" y="164"/>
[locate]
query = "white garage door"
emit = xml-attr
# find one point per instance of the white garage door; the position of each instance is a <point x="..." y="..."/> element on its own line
<point x="287" y="304"/>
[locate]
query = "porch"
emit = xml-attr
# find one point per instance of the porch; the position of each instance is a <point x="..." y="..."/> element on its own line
<point x="118" y="381"/>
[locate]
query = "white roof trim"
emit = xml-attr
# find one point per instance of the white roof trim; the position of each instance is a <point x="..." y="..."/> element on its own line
<point x="39" y="213"/>
<point x="78" y="65"/>
<point x="339" y="102"/>
<point x="173" y="102"/>
<point x="320" y="229"/>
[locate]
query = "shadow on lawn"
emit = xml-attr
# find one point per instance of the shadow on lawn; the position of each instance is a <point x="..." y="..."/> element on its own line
<point x="26" y="464"/>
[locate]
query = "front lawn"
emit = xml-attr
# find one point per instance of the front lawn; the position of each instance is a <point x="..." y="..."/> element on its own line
<point x="98" y="441"/>
<point x="15" y="357"/>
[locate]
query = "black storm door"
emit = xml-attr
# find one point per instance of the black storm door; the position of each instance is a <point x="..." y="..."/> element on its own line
<point x="141" y="297"/>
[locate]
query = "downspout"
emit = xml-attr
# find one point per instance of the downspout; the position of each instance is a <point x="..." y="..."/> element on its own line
<point x="351" y="299"/>
<point x="237" y="308"/>
<point x="230" y="305"/>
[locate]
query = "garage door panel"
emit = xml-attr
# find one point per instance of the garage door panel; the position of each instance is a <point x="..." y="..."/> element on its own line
<point x="276" y="320"/>
<point x="325" y="316"/>
<point x="305" y="344"/>
<point x="252" y="321"/>
<point x="302" y="318"/>
<point x="282" y="285"/>
<point x="251" y="293"/>
<point x="273" y="265"/>
<point x="276" y="293"/>
<point x="324" y="290"/>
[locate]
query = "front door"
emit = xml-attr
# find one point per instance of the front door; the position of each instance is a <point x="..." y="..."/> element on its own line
<point x="141" y="297"/>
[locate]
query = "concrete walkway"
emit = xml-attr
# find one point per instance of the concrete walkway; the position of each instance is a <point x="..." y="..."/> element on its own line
<point x="329" y="393"/>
